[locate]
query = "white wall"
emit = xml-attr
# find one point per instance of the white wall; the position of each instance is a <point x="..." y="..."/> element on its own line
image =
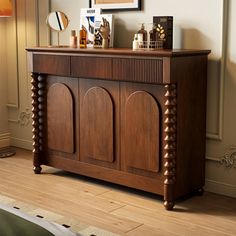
<point x="208" y="35"/>
<point x="4" y="132"/>
<point x="220" y="178"/>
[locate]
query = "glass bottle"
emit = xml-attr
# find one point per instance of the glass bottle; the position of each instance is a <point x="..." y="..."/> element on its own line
<point x="83" y="37"/>
<point x="153" y="36"/>
<point x="144" y="33"/>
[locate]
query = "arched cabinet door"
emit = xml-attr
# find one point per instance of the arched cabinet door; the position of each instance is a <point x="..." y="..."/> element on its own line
<point x="60" y="121"/>
<point x="99" y="105"/>
<point x="141" y="129"/>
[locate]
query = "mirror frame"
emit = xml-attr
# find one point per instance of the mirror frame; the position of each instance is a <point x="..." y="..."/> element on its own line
<point x="59" y="21"/>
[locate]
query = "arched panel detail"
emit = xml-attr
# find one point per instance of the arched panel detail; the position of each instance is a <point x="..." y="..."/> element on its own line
<point x="142" y="132"/>
<point x="97" y="124"/>
<point x="60" y="122"/>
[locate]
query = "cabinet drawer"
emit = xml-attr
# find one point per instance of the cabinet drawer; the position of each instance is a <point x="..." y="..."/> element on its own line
<point x="138" y="70"/>
<point x="91" y="67"/>
<point x="51" y="64"/>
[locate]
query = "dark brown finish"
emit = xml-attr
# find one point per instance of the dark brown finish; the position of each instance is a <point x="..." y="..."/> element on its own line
<point x="138" y="70"/>
<point x="170" y="128"/>
<point x="114" y="52"/>
<point x="35" y="119"/>
<point x="60" y="64"/>
<point x="38" y="101"/>
<point x="142" y="132"/>
<point x="99" y="127"/>
<point x="71" y="87"/>
<point x="97" y="118"/>
<point x="148" y="133"/>
<point x="164" y="30"/>
<point x="94" y="67"/>
<point x="60" y="123"/>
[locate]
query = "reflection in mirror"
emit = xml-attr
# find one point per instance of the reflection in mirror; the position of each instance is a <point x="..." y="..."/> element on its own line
<point x="57" y="21"/>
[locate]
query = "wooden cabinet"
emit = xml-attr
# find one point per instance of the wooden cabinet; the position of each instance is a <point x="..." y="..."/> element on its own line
<point x="135" y="118"/>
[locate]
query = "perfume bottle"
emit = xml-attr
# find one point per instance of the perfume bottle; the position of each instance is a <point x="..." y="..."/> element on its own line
<point x="153" y="36"/>
<point x="73" y="39"/>
<point x="143" y="34"/>
<point x="83" y="37"/>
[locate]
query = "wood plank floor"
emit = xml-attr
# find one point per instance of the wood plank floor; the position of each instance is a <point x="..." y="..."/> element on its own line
<point x="117" y="209"/>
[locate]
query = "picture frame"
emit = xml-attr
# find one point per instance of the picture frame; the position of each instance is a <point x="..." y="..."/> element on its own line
<point x="115" y="5"/>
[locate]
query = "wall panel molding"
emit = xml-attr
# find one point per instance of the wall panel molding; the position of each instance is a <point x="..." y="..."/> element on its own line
<point x="43" y="8"/>
<point x="24" y="118"/>
<point x="225" y="18"/>
<point x="12" y="59"/>
<point x="27" y="28"/>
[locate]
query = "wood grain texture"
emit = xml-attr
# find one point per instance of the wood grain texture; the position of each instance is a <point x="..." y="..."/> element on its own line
<point x="91" y="67"/>
<point x="142" y="132"/>
<point x="86" y="201"/>
<point x="99" y="107"/>
<point x="60" y="121"/>
<point x="139" y="70"/>
<point x="97" y="120"/>
<point x="122" y="52"/>
<point x="51" y="64"/>
<point x="191" y="108"/>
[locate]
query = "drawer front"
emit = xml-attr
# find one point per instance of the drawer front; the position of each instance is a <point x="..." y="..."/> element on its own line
<point x="51" y="64"/>
<point x="91" y="67"/>
<point x="138" y="70"/>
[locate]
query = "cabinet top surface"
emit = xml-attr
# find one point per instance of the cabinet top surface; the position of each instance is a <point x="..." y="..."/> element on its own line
<point x="120" y="51"/>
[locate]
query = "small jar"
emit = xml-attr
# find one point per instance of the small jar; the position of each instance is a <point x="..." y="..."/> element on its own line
<point x="135" y="42"/>
<point x="73" y="39"/>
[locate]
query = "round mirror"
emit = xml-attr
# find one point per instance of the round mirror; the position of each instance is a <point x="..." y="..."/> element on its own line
<point x="57" y="21"/>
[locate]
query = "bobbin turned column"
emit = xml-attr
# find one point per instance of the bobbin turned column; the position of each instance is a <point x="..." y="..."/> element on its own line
<point x="37" y="120"/>
<point x="170" y="145"/>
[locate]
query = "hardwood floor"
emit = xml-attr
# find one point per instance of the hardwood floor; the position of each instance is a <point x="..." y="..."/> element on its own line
<point x="117" y="209"/>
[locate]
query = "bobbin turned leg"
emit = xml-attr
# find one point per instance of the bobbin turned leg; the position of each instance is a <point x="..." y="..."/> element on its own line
<point x="170" y="145"/>
<point x="37" y="117"/>
<point x="37" y="169"/>
<point x="169" y="194"/>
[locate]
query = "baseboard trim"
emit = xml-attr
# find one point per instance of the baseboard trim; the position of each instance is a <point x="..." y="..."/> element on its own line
<point x="21" y="143"/>
<point x="220" y="188"/>
<point x="4" y="140"/>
